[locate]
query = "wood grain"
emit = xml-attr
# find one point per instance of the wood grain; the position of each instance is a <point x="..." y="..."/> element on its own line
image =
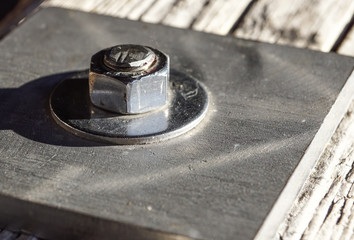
<point x="158" y="11"/>
<point x="315" y="24"/>
<point x="324" y="209"/>
<point x="139" y="9"/>
<point x="237" y="163"/>
<point x="184" y="13"/>
<point x="220" y="16"/>
<point x="347" y="46"/>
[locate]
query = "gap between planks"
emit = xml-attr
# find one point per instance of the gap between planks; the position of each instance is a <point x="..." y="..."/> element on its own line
<point x="315" y="24"/>
<point x="347" y="46"/>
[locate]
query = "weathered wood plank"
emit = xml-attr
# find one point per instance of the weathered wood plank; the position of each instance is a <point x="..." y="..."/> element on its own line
<point x="348" y="232"/>
<point x="127" y="8"/>
<point x="87" y="5"/>
<point x="131" y="9"/>
<point x="343" y="221"/>
<point x="347" y="46"/>
<point x="294" y="23"/>
<point x="108" y="7"/>
<point x="282" y="144"/>
<point x="303" y="23"/>
<point x="314" y="24"/>
<point x="139" y="9"/>
<point x="220" y="15"/>
<point x="318" y="213"/>
<point x="183" y="13"/>
<point x="158" y="11"/>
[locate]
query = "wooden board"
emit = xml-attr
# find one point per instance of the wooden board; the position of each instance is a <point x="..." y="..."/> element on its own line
<point x="158" y="11"/>
<point x="347" y="46"/>
<point x="220" y="16"/>
<point x="323" y="208"/>
<point x="230" y="169"/>
<point x="312" y="24"/>
<point x="301" y="23"/>
<point x="184" y="13"/>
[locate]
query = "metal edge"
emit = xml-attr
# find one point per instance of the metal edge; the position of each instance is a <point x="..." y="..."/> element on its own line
<point x="285" y="201"/>
<point x="50" y="224"/>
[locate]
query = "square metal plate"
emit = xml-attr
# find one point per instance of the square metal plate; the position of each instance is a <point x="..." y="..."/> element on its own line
<point x="219" y="181"/>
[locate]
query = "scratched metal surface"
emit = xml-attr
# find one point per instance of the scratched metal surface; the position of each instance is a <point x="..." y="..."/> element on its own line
<point x="216" y="182"/>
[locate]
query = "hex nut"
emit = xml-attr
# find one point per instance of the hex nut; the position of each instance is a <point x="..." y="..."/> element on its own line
<point x="129" y="79"/>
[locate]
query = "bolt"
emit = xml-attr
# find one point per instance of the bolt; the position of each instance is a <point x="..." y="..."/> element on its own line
<point x="129" y="79"/>
<point x="127" y="58"/>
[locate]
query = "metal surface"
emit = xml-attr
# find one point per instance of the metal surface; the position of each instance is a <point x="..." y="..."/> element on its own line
<point x="129" y="58"/>
<point x="217" y="181"/>
<point x="129" y="79"/>
<point x="71" y="108"/>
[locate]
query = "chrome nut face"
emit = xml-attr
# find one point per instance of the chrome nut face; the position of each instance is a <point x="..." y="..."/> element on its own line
<point x="129" y="79"/>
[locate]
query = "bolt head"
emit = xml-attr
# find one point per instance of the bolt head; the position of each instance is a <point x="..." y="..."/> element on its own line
<point x="129" y="79"/>
<point x="129" y="58"/>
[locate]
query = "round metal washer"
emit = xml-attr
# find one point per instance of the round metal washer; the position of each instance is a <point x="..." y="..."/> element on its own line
<point x="71" y="108"/>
